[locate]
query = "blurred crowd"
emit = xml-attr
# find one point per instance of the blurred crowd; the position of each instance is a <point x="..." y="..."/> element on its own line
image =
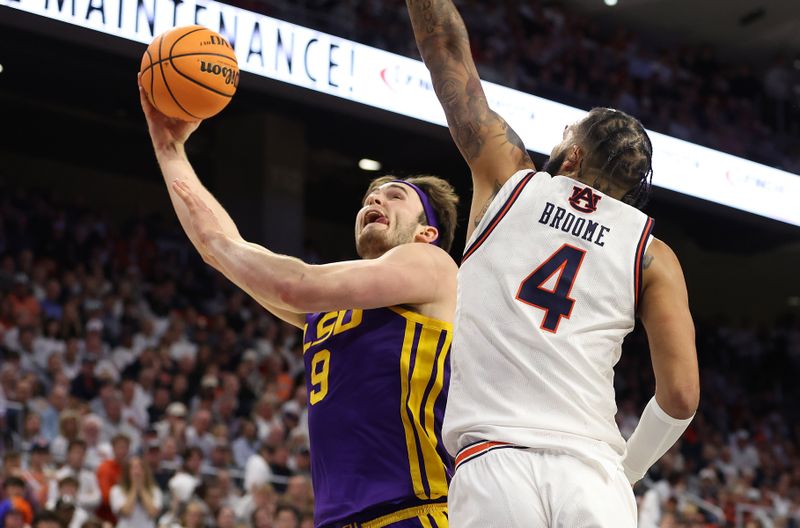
<point x="137" y="387"/>
<point x="749" y="110"/>
<point x="738" y="464"/>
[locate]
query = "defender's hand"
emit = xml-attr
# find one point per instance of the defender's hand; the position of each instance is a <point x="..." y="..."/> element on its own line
<point x="167" y="133"/>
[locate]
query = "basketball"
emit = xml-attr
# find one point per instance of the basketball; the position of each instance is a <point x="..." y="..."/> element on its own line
<point x="189" y="73"/>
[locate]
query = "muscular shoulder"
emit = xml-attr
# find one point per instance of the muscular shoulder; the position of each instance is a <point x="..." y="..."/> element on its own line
<point x="431" y="268"/>
<point x="658" y="250"/>
<point x="424" y="259"/>
<point x="661" y="266"/>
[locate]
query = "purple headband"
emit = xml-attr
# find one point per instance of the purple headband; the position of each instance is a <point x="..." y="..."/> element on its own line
<point x="426" y="205"/>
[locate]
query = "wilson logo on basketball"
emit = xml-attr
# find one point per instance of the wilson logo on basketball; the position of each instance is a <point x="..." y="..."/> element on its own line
<point x="216" y="40"/>
<point x="231" y="75"/>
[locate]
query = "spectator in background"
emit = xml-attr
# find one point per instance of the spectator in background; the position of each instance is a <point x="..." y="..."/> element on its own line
<point x="279" y="467"/>
<point x="14" y="491"/>
<point x="257" y="471"/>
<point x="47" y="519"/>
<point x="136" y="500"/>
<point x="51" y="304"/>
<point x="12" y="465"/>
<point x="31" y="432"/>
<point x="88" y="494"/>
<point x="169" y="462"/>
<point x="198" y="433"/>
<point x="108" y="475"/>
<point x="299" y="493"/>
<point x="13" y="519"/>
<point x="71" y="360"/>
<point x="246" y="444"/>
<point x="744" y="454"/>
<point x="152" y="458"/>
<point x="157" y="410"/>
<point x="265" y="417"/>
<point x="174" y="423"/>
<point x="69" y="514"/>
<point x="72" y="515"/>
<point x="134" y="404"/>
<point x="229" y="491"/>
<point x="226" y="518"/>
<point x="307" y="520"/>
<point x="39" y="474"/>
<point x="287" y="517"/>
<point x="262" y="518"/>
<point x="53" y="376"/>
<point x="49" y="343"/>
<point x="25" y="308"/>
<point x="300" y="463"/>
<point x="185" y="481"/>
<point x="195" y="515"/>
<point x="85" y="385"/>
<point x="21" y="342"/>
<point x="97" y="449"/>
<point x="115" y="426"/>
<point x="258" y="497"/>
<point x="213" y="495"/>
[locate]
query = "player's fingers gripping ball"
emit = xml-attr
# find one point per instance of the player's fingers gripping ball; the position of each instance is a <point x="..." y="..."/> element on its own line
<point x="189" y="73"/>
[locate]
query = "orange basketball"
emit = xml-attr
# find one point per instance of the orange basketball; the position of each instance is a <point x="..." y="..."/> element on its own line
<point x="189" y="73"/>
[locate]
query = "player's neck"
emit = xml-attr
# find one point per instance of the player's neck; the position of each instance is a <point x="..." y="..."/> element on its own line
<point x="597" y="182"/>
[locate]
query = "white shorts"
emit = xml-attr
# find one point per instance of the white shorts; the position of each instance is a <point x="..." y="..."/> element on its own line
<point x="529" y="488"/>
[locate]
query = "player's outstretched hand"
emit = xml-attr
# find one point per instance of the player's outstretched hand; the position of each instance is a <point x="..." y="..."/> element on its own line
<point x="166" y="132"/>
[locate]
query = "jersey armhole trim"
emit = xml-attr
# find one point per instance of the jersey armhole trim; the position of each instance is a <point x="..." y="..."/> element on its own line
<point x="498" y="217"/>
<point x="638" y="266"/>
<point x="415" y="317"/>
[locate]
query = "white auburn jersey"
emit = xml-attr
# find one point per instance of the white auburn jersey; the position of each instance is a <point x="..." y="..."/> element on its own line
<point x="547" y="291"/>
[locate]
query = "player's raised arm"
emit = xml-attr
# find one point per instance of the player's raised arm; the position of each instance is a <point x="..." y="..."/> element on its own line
<point x="409" y="274"/>
<point x="665" y="313"/>
<point x="169" y="136"/>
<point x="492" y="149"/>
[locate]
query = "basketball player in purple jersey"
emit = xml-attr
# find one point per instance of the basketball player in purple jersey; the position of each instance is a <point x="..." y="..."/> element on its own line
<point x="556" y="269"/>
<point x="377" y="335"/>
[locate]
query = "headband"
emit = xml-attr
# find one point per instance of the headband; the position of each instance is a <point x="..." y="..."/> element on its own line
<point x="426" y="205"/>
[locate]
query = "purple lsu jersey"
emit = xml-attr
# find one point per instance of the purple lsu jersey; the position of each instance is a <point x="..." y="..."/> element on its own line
<point x="377" y="383"/>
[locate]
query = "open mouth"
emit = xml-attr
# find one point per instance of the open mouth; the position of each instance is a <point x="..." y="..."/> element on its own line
<point x="375" y="217"/>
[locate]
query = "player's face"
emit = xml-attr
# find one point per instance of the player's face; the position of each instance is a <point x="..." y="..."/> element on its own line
<point x="560" y="151"/>
<point x="389" y="218"/>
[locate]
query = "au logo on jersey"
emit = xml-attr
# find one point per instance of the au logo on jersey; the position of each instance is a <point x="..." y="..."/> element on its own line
<point x="584" y="199"/>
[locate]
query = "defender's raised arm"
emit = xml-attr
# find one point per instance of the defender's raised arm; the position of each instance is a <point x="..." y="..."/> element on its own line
<point x="492" y="149"/>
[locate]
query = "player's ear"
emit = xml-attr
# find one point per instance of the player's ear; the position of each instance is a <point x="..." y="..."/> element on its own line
<point x="573" y="159"/>
<point x="427" y="234"/>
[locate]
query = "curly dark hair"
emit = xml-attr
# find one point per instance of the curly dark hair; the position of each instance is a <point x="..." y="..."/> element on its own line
<point x="618" y="150"/>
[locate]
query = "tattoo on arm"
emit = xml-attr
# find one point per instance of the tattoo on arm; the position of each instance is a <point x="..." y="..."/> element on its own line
<point x="648" y="259"/>
<point x="515" y="142"/>
<point x="436" y="17"/>
<point x="468" y="114"/>
<point x="444" y="44"/>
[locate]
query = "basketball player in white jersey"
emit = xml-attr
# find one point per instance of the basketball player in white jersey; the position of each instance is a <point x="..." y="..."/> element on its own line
<point x="557" y="267"/>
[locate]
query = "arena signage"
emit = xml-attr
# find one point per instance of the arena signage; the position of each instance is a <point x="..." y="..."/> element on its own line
<point x="310" y="59"/>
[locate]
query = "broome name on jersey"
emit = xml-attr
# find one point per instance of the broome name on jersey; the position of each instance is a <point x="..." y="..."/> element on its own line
<point x="559" y="218"/>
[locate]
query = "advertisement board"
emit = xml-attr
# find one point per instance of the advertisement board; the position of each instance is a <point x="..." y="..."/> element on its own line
<point x="324" y="63"/>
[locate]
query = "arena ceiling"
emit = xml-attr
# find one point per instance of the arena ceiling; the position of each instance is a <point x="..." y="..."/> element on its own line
<point x="756" y="29"/>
